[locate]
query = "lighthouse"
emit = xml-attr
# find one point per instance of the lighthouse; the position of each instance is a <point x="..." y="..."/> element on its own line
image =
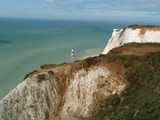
<point x="72" y="53"/>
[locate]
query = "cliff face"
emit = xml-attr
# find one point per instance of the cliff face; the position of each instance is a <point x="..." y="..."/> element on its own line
<point x="66" y="92"/>
<point x="133" y="33"/>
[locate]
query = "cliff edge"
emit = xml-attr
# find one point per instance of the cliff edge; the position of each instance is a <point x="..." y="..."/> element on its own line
<point x="133" y="33"/>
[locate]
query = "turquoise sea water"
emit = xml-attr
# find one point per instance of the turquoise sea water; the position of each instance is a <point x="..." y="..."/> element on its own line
<point x="26" y="44"/>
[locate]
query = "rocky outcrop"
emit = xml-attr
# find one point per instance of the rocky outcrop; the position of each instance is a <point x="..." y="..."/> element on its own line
<point x="66" y="92"/>
<point x="133" y="33"/>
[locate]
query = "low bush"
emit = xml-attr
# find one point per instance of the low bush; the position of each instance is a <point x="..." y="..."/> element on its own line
<point x="90" y="61"/>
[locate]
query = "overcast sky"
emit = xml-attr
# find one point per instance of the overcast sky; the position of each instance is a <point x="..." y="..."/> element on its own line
<point x="140" y="10"/>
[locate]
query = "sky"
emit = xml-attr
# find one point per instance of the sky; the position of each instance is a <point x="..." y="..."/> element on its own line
<point x="123" y="10"/>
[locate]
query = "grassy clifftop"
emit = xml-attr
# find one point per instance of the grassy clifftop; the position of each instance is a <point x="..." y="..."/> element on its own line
<point x="141" y="101"/>
<point x="142" y="26"/>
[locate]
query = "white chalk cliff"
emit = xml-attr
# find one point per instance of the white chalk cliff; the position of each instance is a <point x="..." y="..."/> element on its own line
<point x="131" y="34"/>
<point x="64" y="92"/>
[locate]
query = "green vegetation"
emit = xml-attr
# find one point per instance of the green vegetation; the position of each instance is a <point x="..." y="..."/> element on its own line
<point x="109" y="105"/>
<point x="41" y="77"/>
<point x="90" y="61"/>
<point x="143" y="26"/>
<point x="51" y="73"/>
<point x="124" y="58"/>
<point x="141" y="101"/>
<point x="134" y="44"/>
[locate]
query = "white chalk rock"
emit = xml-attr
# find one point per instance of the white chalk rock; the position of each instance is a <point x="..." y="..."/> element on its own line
<point x="129" y="35"/>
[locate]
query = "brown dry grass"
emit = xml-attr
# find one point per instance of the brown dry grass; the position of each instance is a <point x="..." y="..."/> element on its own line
<point x="142" y="32"/>
<point x="138" y="49"/>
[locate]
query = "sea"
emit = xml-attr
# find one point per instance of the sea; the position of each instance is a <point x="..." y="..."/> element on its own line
<point x="26" y="44"/>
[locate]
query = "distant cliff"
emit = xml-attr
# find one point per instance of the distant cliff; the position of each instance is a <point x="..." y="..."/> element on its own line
<point x="124" y="84"/>
<point x="133" y="33"/>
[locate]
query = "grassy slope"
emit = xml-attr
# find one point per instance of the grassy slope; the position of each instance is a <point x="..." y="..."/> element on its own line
<point x="141" y="101"/>
<point x="143" y="26"/>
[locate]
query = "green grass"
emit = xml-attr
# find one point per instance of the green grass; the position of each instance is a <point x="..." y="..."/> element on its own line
<point x="90" y="61"/>
<point x="134" y="44"/>
<point x="143" y="26"/>
<point x="141" y="102"/>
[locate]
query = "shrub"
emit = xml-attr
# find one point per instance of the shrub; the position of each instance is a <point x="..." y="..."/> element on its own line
<point x="90" y="61"/>
<point x="41" y="77"/>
